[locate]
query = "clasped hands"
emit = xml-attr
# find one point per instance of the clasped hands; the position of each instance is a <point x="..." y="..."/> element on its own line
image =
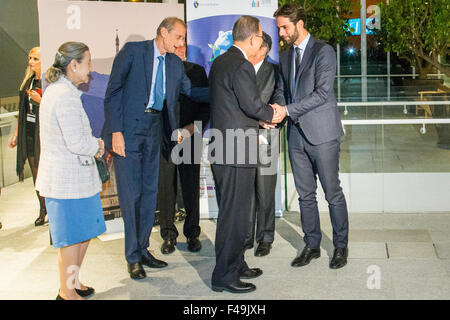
<point x="279" y="113"/>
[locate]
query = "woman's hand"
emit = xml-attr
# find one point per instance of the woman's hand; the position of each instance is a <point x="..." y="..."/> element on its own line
<point x="35" y="96"/>
<point x="13" y="142"/>
<point x="101" y="149"/>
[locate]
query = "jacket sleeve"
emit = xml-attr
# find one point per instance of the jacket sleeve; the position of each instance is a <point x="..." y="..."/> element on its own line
<point x="204" y="108"/>
<point x="278" y="94"/>
<point x="113" y="97"/>
<point x="197" y="94"/>
<point x="325" y="73"/>
<point x="69" y="117"/>
<point x="244" y="85"/>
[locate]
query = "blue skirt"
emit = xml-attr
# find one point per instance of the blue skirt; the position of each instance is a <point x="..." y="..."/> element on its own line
<point x="75" y="220"/>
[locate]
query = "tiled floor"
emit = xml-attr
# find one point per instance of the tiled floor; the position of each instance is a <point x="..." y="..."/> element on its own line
<point x="392" y="256"/>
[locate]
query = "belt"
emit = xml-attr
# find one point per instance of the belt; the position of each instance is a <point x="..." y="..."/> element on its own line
<point x="152" y="110"/>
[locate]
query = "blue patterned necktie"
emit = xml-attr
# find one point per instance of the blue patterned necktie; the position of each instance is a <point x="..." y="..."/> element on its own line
<point x="159" y="86"/>
<point x="296" y="65"/>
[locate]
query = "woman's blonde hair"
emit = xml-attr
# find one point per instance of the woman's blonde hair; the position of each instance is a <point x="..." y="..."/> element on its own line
<point x="66" y="53"/>
<point x="28" y="72"/>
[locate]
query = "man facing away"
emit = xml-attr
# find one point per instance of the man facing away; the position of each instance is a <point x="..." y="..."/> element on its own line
<point x="236" y="107"/>
<point x="308" y="70"/>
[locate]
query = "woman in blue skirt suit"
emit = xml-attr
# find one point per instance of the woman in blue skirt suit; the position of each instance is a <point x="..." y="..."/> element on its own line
<point x="68" y="177"/>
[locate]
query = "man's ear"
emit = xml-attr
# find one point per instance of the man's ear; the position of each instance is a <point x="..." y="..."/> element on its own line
<point x="164" y="32"/>
<point x="300" y="24"/>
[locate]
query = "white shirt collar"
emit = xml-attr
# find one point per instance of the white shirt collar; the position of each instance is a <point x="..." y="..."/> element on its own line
<point x="304" y="43"/>
<point x="243" y="52"/>
<point x="258" y="65"/>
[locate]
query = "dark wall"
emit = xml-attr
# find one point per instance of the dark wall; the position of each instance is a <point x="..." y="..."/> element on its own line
<point x="19" y="32"/>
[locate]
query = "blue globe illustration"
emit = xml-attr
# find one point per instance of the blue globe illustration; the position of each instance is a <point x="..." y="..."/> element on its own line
<point x="221" y="44"/>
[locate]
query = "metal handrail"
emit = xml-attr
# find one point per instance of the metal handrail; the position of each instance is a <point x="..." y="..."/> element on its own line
<point x="395" y="121"/>
<point x="391" y="103"/>
<point x="384" y="75"/>
<point x="9" y="114"/>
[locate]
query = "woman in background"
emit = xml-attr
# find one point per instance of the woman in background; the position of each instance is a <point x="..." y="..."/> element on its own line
<point x="26" y="135"/>
<point x="68" y="177"/>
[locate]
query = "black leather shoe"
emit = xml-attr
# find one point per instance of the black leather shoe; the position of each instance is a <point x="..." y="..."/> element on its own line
<point x="41" y="219"/>
<point x="85" y="293"/>
<point x="305" y="257"/>
<point x="194" y="244"/>
<point x="168" y="246"/>
<point x="239" y="287"/>
<point x="136" y="271"/>
<point x="151" y="262"/>
<point x="263" y="249"/>
<point x="251" y="273"/>
<point x="58" y="297"/>
<point x="339" y="258"/>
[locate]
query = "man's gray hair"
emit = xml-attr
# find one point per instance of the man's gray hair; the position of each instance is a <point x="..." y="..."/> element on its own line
<point x="169" y="23"/>
<point x="245" y="27"/>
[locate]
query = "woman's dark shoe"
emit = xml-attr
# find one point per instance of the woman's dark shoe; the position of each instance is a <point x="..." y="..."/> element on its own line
<point x="85" y="293"/>
<point x="59" y="297"/>
<point x="41" y="220"/>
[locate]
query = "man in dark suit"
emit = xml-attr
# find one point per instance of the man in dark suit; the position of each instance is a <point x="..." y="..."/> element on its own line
<point x="263" y="214"/>
<point x="141" y="107"/>
<point x="308" y="70"/>
<point x="236" y="107"/>
<point x="190" y="112"/>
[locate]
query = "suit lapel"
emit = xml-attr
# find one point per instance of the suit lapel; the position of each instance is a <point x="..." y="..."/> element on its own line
<point x="306" y="56"/>
<point x="169" y="75"/>
<point x="262" y="73"/>
<point x="148" y="63"/>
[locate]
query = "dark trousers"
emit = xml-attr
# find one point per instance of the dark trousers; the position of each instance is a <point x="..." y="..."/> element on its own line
<point x="263" y="215"/>
<point x="309" y="161"/>
<point x="33" y="162"/>
<point x="190" y="187"/>
<point x="167" y="191"/>
<point x="137" y="186"/>
<point x="235" y="192"/>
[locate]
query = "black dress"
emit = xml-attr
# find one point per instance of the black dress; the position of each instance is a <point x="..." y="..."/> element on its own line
<point x="28" y="128"/>
<point x="28" y="144"/>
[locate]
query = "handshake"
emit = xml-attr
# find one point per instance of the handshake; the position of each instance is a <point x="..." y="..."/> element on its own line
<point x="279" y="113"/>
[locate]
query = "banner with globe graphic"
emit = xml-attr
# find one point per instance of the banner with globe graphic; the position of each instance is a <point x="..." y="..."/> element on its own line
<point x="210" y="24"/>
<point x="105" y="27"/>
<point x="209" y="34"/>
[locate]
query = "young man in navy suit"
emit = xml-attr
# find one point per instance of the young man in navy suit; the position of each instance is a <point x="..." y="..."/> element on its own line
<point x="308" y="70"/>
<point x="140" y="107"/>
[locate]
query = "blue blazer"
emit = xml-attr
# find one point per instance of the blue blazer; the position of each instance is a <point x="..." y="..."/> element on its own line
<point x="312" y="102"/>
<point x="129" y="86"/>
